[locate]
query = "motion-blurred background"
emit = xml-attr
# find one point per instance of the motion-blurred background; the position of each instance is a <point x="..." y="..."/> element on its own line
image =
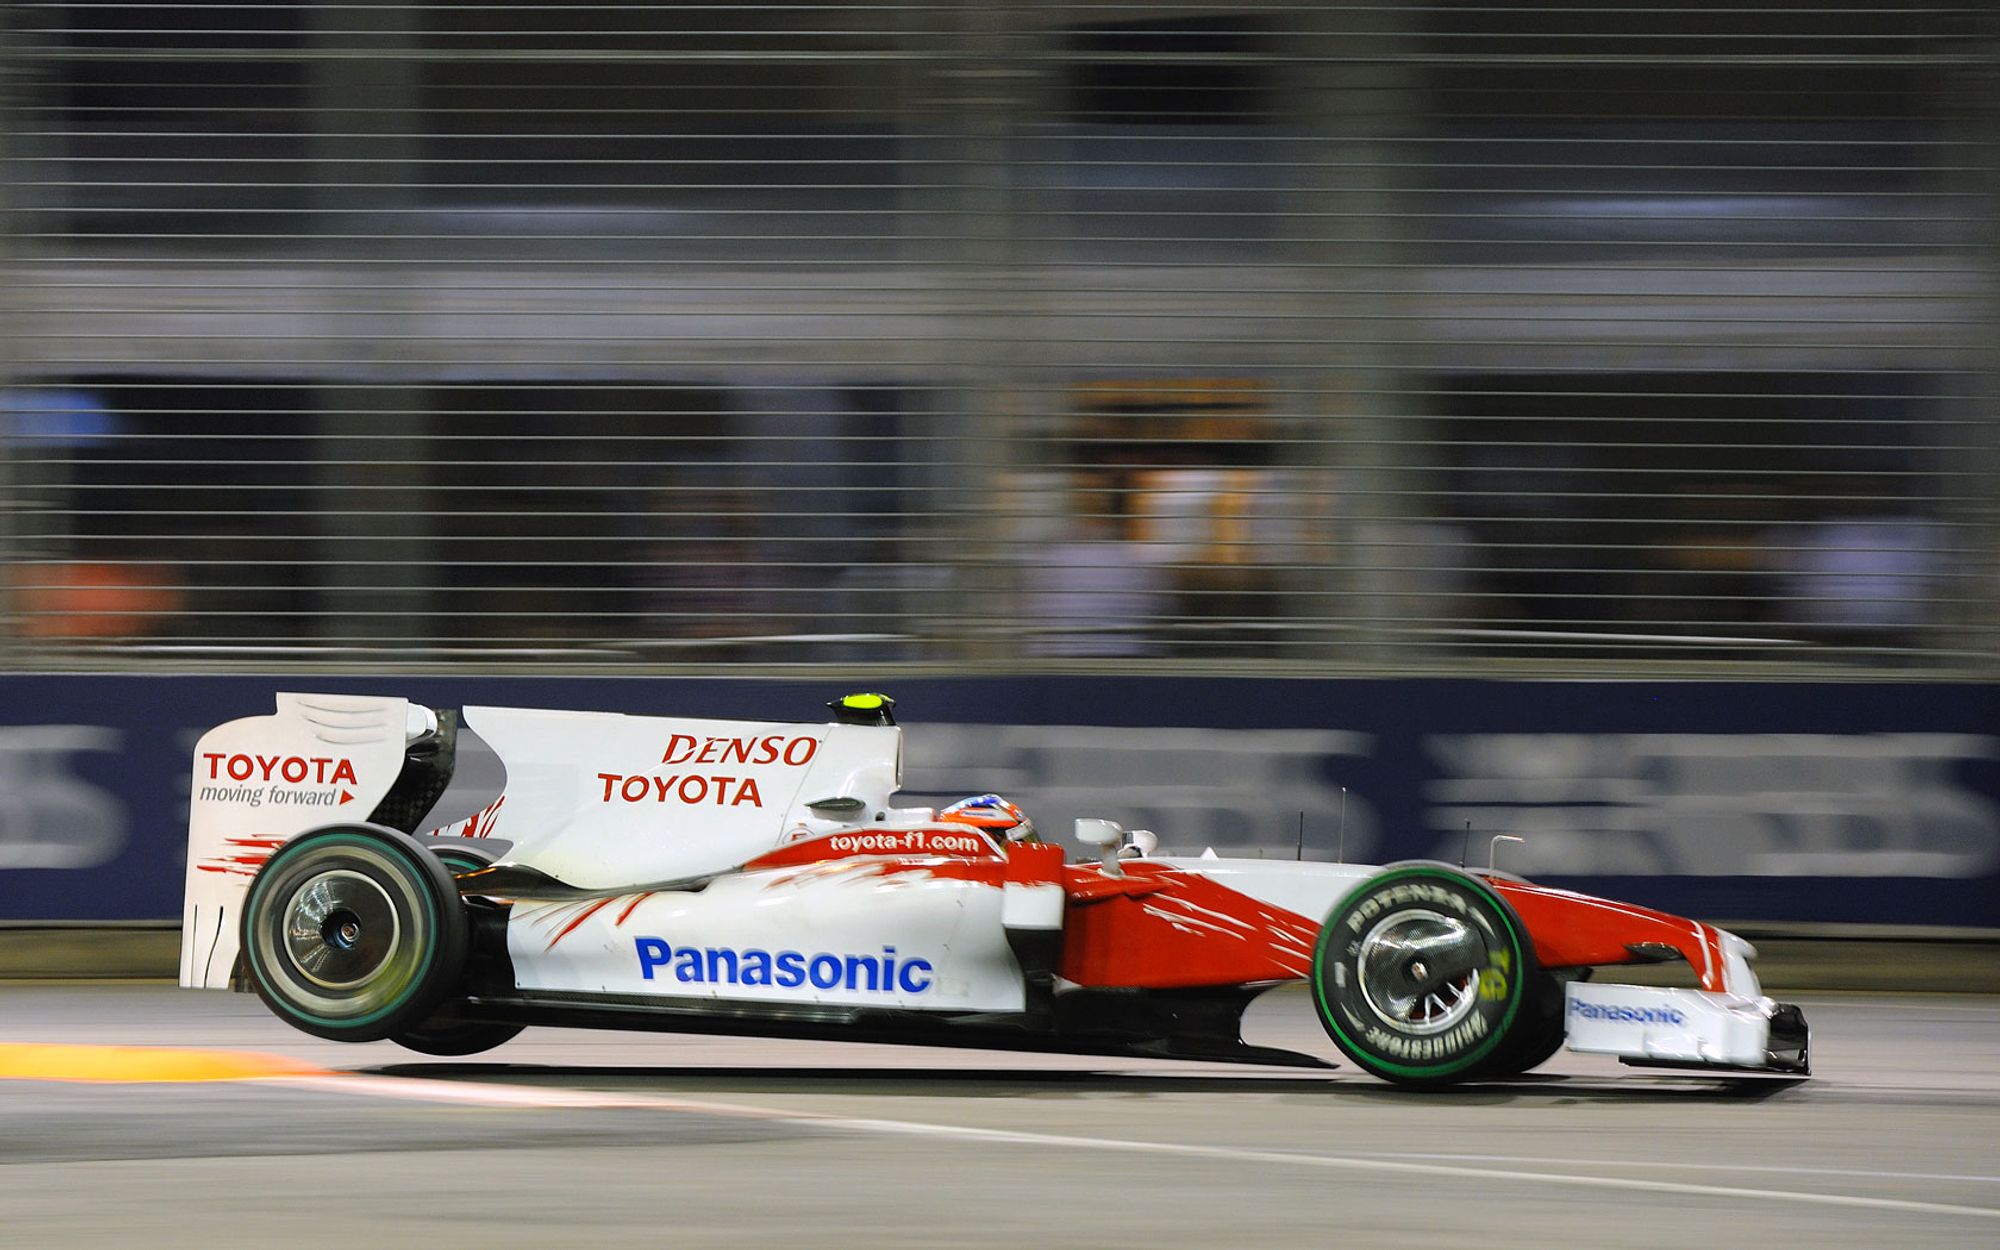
<point x="1297" y="337"/>
<point x="1061" y="364"/>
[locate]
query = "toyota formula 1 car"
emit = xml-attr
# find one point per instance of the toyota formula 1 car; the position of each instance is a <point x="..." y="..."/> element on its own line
<point x="757" y="878"/>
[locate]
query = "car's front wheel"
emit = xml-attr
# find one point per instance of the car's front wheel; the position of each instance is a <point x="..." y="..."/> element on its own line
<point x="1538" y="1032"/>
<point x="354" y="933"/>
<point x="1420" y="975"/>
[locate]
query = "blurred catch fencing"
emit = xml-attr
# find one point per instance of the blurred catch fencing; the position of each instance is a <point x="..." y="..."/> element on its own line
<point x="1280" y="339"/>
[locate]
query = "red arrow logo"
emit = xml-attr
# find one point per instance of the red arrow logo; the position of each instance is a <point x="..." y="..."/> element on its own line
<point x="346" y="796"/>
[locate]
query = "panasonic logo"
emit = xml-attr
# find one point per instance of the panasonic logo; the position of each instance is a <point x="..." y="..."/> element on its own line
<point x="1627" y="1015"/>
<point x="886" y="973"/>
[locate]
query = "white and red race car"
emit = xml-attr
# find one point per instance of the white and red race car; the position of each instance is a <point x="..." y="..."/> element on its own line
<point x="751" y="877"/>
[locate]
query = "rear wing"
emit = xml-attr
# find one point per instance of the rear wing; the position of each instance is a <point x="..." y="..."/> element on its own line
<point x="260" y="781"/>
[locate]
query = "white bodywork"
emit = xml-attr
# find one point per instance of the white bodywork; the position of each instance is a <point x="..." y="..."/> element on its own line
<point x="608" y="802"/>
<point x="1668" y="1025"/>
<point x="788" y="935"/>
<point x="602" y="801"/>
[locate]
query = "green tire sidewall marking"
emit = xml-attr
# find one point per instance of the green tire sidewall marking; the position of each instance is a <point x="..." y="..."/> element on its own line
<point x="456" y="862"/>
<point x="1331" y="1019"/>
<point x="263" y="976"/>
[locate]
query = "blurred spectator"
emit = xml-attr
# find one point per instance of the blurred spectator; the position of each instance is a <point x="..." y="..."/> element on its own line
<point x="889" y="604"/>
<point x="90" y="601"/>
<point x="1089" y="593"/>
<point x="1208" y="530"/>
<point x="1714" y="551"/>
<point x="1540" y="559"/>
<point x="1430" y="572"/>
<point x="711" y="581"/>
<point x="1867" y="580"/>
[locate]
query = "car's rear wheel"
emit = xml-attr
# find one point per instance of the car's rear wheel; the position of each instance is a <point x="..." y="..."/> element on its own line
<point x="459" y="860"/>
<point x="353" y="933"/>
<point x="1420" y="975"/>
<point x="446" y="1037"/>
<point x="444" y="1034"/>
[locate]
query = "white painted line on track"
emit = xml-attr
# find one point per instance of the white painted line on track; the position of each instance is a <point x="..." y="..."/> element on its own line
<point x="1361" y="1164"/>
<point x="1666" y="1165"/>
<point x="1904" y="1008"/>
<point x="489" y="1094"/>
<point x="486" y="1094"/>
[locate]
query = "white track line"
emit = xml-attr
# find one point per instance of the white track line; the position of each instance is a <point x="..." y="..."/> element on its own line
<point x="1359" y="1164"/>
<point x="516" y="1096"/>
<point x="1661" y="1164"/>
<point x="487" y="1094"/>
<point x="1905" y="1008"/>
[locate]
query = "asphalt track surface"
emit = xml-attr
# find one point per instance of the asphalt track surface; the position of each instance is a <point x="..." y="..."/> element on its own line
<point x="568" y="1138"/>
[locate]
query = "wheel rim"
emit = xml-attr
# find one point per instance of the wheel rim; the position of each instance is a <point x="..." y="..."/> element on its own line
<point x="350" y="939"/>
<point x="1419" y="970"/>
<point x="340" y="929"/>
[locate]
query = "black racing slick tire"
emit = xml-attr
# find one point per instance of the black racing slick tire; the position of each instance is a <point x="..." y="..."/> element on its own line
<point x="1538" y="1033"/>
<point x="454" y="1038"/>
<point x="1421" y="974"/>
<point x="354" y="933"/>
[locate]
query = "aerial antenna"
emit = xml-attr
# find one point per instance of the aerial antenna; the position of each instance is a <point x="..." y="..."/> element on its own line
<point x="1302" y="836"/>
<point x="1340" y="855"/>
<point x="1465" y="846"/>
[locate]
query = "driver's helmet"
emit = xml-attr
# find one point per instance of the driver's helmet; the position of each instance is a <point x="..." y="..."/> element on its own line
<point x="994" y="814"/>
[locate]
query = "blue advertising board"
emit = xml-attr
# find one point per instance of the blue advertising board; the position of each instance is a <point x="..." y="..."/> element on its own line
<point x="1832" y="802"/>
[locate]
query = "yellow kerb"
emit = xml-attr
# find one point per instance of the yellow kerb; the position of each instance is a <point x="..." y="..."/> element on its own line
<point x="30" y="1061"/>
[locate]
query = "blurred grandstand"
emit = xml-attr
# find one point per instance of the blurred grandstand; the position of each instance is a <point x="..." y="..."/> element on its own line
<point x="1271" y="338"/>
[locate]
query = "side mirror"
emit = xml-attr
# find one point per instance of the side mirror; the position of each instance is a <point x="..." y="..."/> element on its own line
<point x="1099" y="833"/>
<point x="1106" y="836"/>
<point x="1142" y="845"/>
